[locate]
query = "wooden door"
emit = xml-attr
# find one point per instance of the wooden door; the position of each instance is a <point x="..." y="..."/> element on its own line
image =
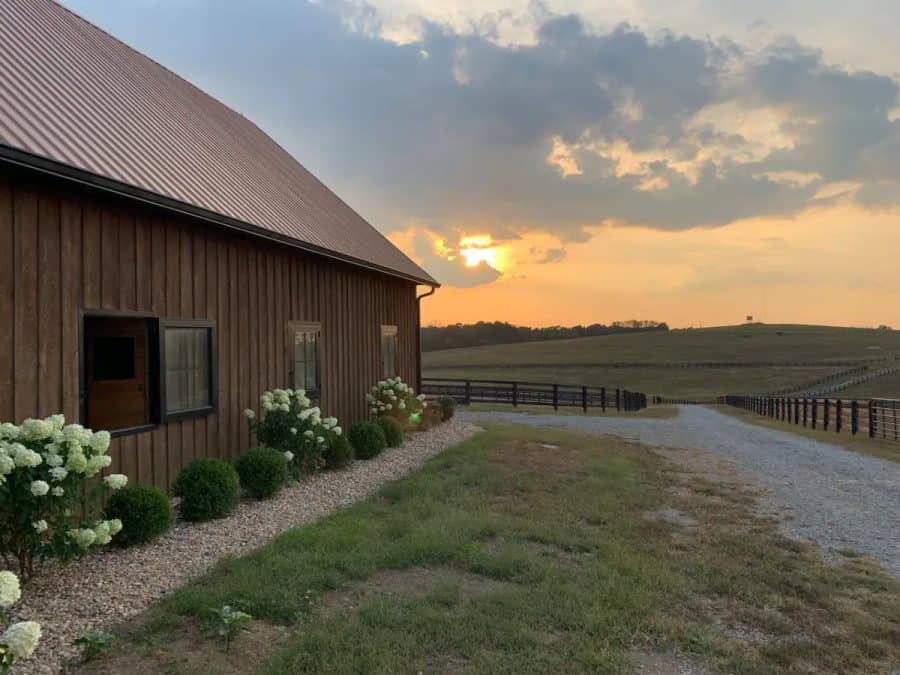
<point x="116" y="372"/>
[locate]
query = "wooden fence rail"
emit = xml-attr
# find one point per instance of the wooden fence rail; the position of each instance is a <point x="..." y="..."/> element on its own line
<point x="876" y="417"/>
<point x="534" y="393"/>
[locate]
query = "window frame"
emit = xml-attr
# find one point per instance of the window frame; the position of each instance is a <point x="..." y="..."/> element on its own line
<point x="294" y="327"/>
<point x="166" y="417"/>
<point x="390" y="330"/>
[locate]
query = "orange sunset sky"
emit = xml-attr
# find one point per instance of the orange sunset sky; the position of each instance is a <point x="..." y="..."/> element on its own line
<point x="581" y="161"/>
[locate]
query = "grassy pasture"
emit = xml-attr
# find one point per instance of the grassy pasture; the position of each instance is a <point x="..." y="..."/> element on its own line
<point x="532" y="551"/>
<point x="884" y="387"/>
<point x="588" y="360"/>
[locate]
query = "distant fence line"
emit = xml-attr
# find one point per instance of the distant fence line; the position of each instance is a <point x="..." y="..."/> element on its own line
<point x="664" y="400"/>
<point x="875" y="418"/>
<point x="808" y="387"/>
<point x="517" y="393"/>
<point x="841" y="386"/>
<point x="857" y="363"/>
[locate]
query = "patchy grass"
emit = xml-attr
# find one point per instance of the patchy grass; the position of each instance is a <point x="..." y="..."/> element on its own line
<point x="875" y="447"/>
<point x="659" y="412"/>
<point x="531" y="551"/>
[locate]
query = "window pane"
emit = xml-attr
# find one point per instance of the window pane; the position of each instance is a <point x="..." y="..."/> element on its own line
<point x="187" y="369"/>
<point x="113" y="358"/>
<point x="306" y="347"/>
<point x="389" y="351"/>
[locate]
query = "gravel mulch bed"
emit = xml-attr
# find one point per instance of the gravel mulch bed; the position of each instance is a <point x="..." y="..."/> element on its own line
<point x="112" y="585"/>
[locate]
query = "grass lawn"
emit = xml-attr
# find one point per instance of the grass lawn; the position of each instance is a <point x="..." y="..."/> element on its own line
<point x="883" y="387"/>
<point x="859" y="443"/>
<point x="508" y="555"/>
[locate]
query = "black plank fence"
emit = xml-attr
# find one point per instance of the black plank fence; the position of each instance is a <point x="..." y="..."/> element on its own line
<point x="875" y="418"/>
<point x="535" y="393"/>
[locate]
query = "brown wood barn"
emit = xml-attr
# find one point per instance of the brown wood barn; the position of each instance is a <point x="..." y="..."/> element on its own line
<point x="163" y="261"/>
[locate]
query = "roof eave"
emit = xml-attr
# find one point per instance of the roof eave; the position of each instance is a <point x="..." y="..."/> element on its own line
<point x="17" y="157"/>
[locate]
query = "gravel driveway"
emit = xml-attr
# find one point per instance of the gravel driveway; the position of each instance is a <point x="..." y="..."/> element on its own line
<point x="837" y="498"/>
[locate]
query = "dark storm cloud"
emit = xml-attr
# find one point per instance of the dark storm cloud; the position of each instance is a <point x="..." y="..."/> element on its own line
<point x="454" y="130"/>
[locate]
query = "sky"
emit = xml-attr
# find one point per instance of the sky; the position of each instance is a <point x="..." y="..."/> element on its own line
<point x="576" y="161"/>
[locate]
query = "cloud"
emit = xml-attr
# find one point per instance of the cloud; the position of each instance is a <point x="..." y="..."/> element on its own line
<point x="543" y="256"/>
<point x="575" y="128"/>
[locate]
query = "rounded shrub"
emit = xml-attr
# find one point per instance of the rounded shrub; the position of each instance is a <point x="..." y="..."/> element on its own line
<point x="262" y="472"/>
<point x="367" y="439"/>
<point x="447" y="406"/>
<point x="393" y="431"/>
<point x="145" y="513"/>
<point x="208" y="488"/>
<point x="339" y="452"/>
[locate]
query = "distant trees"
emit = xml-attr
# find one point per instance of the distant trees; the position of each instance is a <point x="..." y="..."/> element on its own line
<point x="435" y="338"/>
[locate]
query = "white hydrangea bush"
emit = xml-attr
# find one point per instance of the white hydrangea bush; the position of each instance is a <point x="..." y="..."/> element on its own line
<point x="290" y="423"/>
<point x="49" y="502"/>
<point x="394" y="398"/>
<point x="20" y="639"/>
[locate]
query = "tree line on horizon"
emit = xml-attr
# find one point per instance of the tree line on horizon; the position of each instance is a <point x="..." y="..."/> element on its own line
<point x="435" y="338"/>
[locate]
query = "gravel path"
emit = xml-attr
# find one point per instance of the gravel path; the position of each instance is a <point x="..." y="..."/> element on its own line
<point x="107" y="587"/>
<point x="834" y="497"/>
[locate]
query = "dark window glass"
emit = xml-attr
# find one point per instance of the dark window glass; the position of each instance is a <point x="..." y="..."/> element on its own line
<point x="187" y="378"/>
<point x="113" y="358"/>
<point x="306" y="359"/>
<point x="389" y="351"/>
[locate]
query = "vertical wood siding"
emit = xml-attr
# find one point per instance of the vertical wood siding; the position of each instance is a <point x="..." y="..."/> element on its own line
<point x="64" y="250"/>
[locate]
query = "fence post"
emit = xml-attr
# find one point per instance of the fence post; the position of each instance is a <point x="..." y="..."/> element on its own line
<point x="826" y="414"/>
<point x="556" y="397"/>
<point x="871" y="418"/>
<point x="839" y="415"/>
<point x="515" y="394"/>
<point x="854" y="417"/>
<point x="584" y="405"/>
<point x="603" y="399"/>
<point x="468" y="392"/>
<point x="815" y="412"/>
<point x="618" y="399"/>
<point x="805" y="411"/>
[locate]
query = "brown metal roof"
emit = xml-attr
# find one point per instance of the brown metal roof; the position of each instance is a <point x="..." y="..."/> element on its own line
<point x="72" y="94"/>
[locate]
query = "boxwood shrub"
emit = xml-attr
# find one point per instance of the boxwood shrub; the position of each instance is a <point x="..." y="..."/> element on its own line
<point x="209" y="488"/>
<point x="145" y="513"/>
<point x="393" y="431"/>
<point x="339" y="452"/>
<point x="367" y="439"/>
<point x="262" y="472"/>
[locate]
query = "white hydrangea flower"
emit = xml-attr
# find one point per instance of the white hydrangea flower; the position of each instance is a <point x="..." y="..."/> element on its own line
<point x="39" y="488"/>
<point x="10" y="591"/>
<point x="57" y="491"/>
<point x="319" y="439"/>
<point x="338" y="430"/>
<point x="84" y="537"/>
<point x="116" y="481"/>
<point x="388" y="406"/>
<point x="73" y="432"/>
<point x="402" y="405"/>
<point x="77" y="462"/>
<point x="24" y="457"/>
<point x="22" y="638"/>
<point x="57" y="422"/>
<point x="115" y="526"/>
<point x="9" y="431"/>
<point x="96" y="463"/>
<point x="6" y="465"/>
<point x="289" y="456"/>
<point x="102" y="535"/>
<point x="100" y="441"/>
<point x="308" y="433"/>
<point x="249" y="414"/>
<point x="53" y="459"/>
<point x="294" y="430"/>
<point x="39" y="526"/>
<point x="36" y="430"/>
<point x="58" y="473"/>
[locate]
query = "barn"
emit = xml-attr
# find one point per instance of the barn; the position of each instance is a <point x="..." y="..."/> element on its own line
<point x="163" y="261"/>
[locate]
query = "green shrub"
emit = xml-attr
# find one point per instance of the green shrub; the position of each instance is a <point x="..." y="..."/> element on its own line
<point x="145" y="513"/>
<point x="447" y="406"/>
<point x="367" y="439"/>
<point x="208" y="488"/>
<point x="393" y="431"/>
<point x="339" y="452"/>
<point x="262" y="472"/>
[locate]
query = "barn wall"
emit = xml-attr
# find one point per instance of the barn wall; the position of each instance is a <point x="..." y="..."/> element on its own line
<point x="64" y="250"/>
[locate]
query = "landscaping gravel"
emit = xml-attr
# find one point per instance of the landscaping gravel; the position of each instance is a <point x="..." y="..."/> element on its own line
<point x="835" y="497"/>
<point x="102" y="589"/>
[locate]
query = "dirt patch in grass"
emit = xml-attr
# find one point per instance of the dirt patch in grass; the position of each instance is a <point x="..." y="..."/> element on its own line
<point x="671" y="516"/>
<point x="537" y="457"/>
<point x="192" y="651"/>
<point x="665" y="663"/>
<point x="410" y="583"/>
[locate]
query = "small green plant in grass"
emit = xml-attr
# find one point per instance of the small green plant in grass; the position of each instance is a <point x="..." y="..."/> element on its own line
<point x="393" y="431"/>
<point x="93" y="644"/>
<point x="367" y="439"/>
<point x="263" y="471"/>
<point x="228" y="622"/>
<point x="209" y="488"/>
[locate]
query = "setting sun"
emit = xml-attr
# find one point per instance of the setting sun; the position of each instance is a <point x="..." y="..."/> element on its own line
<point x="479" y="248"/>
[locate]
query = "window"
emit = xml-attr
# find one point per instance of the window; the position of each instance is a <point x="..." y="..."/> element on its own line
<point x="186" y="368"/>
<point x="139" y="371"/>
<point x="303" y="343"/>
<point x="388" y="351"/>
